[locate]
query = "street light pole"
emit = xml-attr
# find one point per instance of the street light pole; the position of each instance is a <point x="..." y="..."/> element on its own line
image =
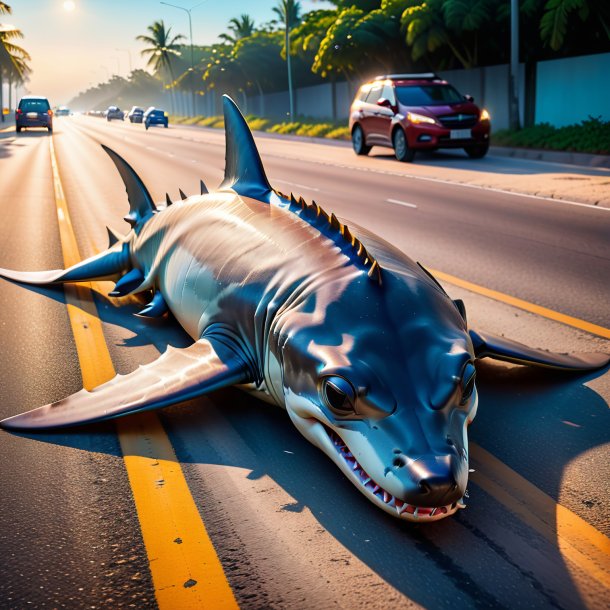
<point x="192" y="68"/>
<point x="513" y="89"/>
<point x="288" y="64"/>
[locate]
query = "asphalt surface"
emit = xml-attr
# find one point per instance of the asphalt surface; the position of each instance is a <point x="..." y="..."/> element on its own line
<point x="290" y="531"/>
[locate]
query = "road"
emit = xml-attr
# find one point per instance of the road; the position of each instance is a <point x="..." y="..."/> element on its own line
<point x="289" y="530"/>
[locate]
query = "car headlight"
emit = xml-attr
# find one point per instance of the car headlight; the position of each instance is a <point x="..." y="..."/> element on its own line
<point x="484" y="115"/>
<point x="413" y="117"/>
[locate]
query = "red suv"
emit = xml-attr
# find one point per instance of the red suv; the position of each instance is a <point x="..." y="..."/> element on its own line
<point x="410" y="112"/>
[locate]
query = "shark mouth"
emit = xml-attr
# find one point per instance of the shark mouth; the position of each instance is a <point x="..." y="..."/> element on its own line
<point x="380" y="496"/>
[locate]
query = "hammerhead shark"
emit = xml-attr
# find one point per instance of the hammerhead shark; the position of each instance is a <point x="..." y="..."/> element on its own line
<point x="372" y="360"/>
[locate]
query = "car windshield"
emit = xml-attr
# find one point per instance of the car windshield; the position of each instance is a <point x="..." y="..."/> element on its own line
<point x="34" y="105"/>
<point x="427" y="95"/>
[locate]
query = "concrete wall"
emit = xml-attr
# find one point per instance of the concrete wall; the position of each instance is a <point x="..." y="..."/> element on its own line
<point x="569" y="90"/>
<point x="315" y="102"/>
<point x="489" y="87"/>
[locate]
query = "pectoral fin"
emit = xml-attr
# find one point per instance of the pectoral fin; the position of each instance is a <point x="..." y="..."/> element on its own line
<point x="177" y="375"/>
<point x="105" y="265"/>
<point x="487" y="345"/>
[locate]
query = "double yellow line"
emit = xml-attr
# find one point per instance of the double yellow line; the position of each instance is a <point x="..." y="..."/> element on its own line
<point x="185" y="568"/>
<point x="545" y="312"/>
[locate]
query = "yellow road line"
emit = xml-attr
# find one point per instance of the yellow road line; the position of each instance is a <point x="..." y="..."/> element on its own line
<point x="525" y="305"/>
<point x="185" y="568"/>
<point x="578" y="541"/>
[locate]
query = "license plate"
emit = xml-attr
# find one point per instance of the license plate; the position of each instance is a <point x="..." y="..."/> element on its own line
<point x="32" y="115"/>
<point x="460" y="134"/>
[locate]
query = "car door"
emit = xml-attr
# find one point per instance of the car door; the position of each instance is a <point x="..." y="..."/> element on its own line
<point x="381" y="120"/>
<point x="370" y="110"/>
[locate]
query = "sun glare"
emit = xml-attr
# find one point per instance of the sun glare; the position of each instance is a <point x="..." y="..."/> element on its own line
<point x="69" y="6"/>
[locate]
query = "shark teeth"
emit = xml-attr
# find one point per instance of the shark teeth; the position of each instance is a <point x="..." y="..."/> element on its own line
<point x="403" y="509"/>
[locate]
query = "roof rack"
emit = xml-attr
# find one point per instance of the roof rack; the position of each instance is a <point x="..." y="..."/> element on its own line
<point x="420" y="76"/>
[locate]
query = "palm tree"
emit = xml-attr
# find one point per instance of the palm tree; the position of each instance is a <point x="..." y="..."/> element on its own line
<point x="163" y="48"/>
<point x="289" y="12"/>
<point x="13" y="59"/>
<point x="241" y="27"/>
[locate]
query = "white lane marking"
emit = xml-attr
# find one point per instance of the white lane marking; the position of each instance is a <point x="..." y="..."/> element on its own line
<point x="397" y="202"/>
<point x="449" y="182"/>
<point x="300" y="186"/>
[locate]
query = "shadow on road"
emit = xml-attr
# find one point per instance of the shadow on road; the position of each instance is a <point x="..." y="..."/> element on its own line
<point x="475" y="554"/>
<point x="9" y="140"/>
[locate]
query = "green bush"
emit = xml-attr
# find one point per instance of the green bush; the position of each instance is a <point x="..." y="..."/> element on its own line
<point x="285" y="128"/>
<point x="590" y="136"/>
<point x="209" y="121"/>
<point x="259" y="124"/>
<point x="316" y="130"/>
<point x="307" y="127"/>
<point x="339" y="133"/>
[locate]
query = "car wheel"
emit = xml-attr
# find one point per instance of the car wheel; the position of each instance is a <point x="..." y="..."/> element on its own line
<point x="50" y="129"/>
<point x="360" y="147"/>
<point x="165" y="125"/>
<point x="477" y="152"/>
<point x="19" y="129"/>
<point x="146" y="125"/>
<point x="401" y="148"/>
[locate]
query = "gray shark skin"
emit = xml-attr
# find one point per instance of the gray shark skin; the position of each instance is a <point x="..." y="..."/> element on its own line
<point x="371" y="359"/>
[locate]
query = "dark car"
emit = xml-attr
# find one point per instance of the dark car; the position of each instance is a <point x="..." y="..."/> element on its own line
<point x="410" y="112"/>
<point x="114" y="112"/>
<point x="62" y="111"/>
<point x="33" y="111"/>
<point x="135" y="115"/>
<point x="155" y="116"/>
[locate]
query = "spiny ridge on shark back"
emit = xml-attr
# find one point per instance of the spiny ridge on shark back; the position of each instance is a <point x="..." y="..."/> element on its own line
<point x="330" y="226"/>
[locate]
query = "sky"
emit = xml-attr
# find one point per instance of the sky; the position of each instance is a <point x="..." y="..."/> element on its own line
<point x="74" y="49"/>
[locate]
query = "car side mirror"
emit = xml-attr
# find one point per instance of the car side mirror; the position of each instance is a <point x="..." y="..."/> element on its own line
<point x="469" y="98"/>
<point x="382" y="101"/>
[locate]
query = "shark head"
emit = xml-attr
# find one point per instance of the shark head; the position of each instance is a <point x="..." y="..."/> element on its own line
<point x="382" y="380"/>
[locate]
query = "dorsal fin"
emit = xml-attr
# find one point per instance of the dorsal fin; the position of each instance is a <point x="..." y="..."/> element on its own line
<point x="203" y="188"/>
<point x="244" y="171"/>
<point x="168" y="200"/>
<point x="141" y="205"/>
<point x="182" y="194"/>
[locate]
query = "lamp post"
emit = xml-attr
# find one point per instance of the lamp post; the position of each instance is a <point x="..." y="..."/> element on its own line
<point x="129" y="54"/>
<point x="513" y="88"/>
<point x="192" y="68"/>
<point x="288" y="64"/>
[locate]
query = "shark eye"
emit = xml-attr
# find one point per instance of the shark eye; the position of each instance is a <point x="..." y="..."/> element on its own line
<point x="467" y="383"/>
<point x="339" y="395"/>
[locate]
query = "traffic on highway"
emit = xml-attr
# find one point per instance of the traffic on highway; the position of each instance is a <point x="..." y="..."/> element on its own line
<point x="356" y="359"/>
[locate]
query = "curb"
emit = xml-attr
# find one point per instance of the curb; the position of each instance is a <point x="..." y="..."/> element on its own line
<point x="553" y="156"/>
<point x="534" y="154"/>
